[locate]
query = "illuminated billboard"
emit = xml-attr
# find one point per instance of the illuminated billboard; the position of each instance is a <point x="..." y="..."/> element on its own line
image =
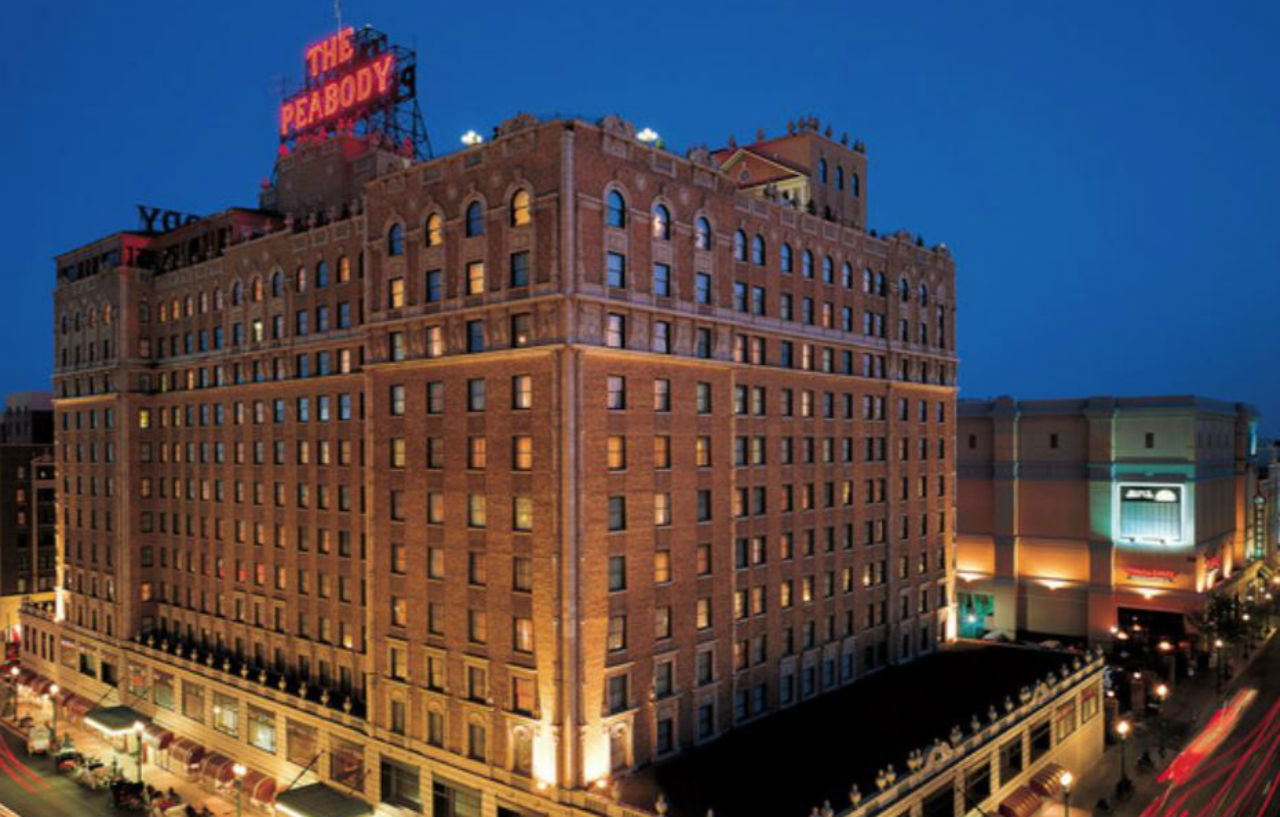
<point x="1151" y="513"/>
<point x="356" y="82"/>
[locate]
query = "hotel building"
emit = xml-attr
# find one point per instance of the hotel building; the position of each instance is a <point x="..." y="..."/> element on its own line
<point x="470" y="485"/>
<point x="1076" y="516"/>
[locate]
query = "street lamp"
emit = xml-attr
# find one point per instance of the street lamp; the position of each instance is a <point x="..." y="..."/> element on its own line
<point x="238" y="770"/>
<point x="1122" y="730"/>
<point x="53" y="697"/>
<point x="1217" y="646"/>
<point x="137" y="749"/>
<point x="1162" y="692"/>
<point x="1066" y="779"/>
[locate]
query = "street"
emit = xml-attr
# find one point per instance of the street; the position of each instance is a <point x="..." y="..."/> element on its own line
<point x="1233" y="774"/>
<point x="31" y="787"/>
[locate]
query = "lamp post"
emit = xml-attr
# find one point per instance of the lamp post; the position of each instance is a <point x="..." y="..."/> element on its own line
<point x="1222" y="670"/>
<point x="137" y="749"/>
<point x="1122" y="730"/>
<point x="53" y="698"/>
<point x="238" y="770"/>
<point x="1248" y="633"/>
<point x="1166" y="649"/>
<point x="1162" y="692"/>
<point x="1066" y="779"/>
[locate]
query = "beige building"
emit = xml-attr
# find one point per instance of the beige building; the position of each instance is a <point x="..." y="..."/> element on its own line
<point x="1077" y="516"/>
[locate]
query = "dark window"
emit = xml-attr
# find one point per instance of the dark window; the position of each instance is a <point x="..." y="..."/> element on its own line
<point x="1041" y="740"/>
<point x="977" y="785"/>
<point x="616" y="210"/>
<point x="1010" y="761"/>
<point x="520" y="269"/>
<point x="475" y="219"/>
<point x="942" y="803"/>
<point x="395" y="240"/>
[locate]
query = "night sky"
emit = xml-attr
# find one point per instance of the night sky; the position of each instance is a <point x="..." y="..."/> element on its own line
<point x="1105" y="173"/>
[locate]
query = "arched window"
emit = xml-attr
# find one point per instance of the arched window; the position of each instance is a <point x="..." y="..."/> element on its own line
<point x="785" y="260"/>
<point x="204" y="302"/>
<point x="839" y="177"/>
<point x="217" y="299"/>
<point x="322" y="275"/>
<point x="344" y="269"/>
<point x="853" y="183"/>
<point x="434" y="232"/>
<point x="757" y="250"/>
<point x="661" y="222"/>
<point x="65" y="323"/>
<point x="806" y="264"/>
<point x="395" y="240"/>
<point x="615" y="210"/>
<point x="300" y="279"/>
<point x="702" y="233"/>
<point x="828" y="270"/>
<point x="868" y="281"/>
<point x="190" y="306"/>
<point x="256" y="291"/>
<point x="475" y="219"/>
<point x="740" y="245"/>
<point x="880" y="285"/>
<point x="904" y="289"/>
<point x="520" y="211"/>
<point x="924" y="294"/>
<point x="237" y="294"/>
<point x="822" y="170"/>
<point x="277" y="284"/>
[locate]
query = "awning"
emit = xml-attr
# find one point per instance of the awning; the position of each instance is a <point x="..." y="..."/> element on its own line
<point x="40" y="684"/>
<point x="157" y="735"/>
<point x="1022" y="802"/>
<point x="78" y="707"/>
<point x="65" y="696"/>
<point x="217" y="768"/>
<point x="252" y="780"/>
<point x="264" y="793"/>
<point x="1047" y="781"/>
<point x="319" y="800"/>
<point x="113" y="721"/>
<point x="186" y="751"/>
<point x="25" y="677"/>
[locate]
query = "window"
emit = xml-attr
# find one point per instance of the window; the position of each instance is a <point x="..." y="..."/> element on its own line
<point x="1010" y="760"/>
<point x="520" y="208"/>
<point x="617" y="573"/>
<point x="522" y="391"/>
<point x="615" y="331"/>
<point x="615" y="210"/>
<point x="434" y="232"/>
<point x="617" y="693"/>
<point x="262" y="729"/>
<point x="662" y="280"/>
<point x="1041" y="740"/>
<point x="702" y="234"/>
<point x="617" y="637"/>
<point x="977" y="784"/>
<point x="757" y="250"/>
<point x="520" y="269"/>
<point x="475" y="219"/>
<point x="740" y="245"/>
<point x="617" y="513"/>
<point x="1150" y="440"/>
<point x="395" y="240"/>
<point x="475" y="278"/>
<point x="785" y="260"/>
<point x="702" y="288"/>
<point x="616" y="270"/>
<point x="616" y="393"/>
<point x="661" y="222"/>
<point x="395" y="293"/>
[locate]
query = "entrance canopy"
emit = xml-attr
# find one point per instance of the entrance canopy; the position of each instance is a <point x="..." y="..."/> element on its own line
<point x="114" y="721"/>
<point x="319" y="800"/>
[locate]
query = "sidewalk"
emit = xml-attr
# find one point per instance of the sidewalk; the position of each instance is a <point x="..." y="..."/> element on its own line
<point x="1193" y="701"/>
<point x="90" y="743"/>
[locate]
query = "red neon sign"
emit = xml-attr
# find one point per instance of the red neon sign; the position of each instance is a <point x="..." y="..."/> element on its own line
<point x="1152" y="573"/>
<point x="338" y="85"/>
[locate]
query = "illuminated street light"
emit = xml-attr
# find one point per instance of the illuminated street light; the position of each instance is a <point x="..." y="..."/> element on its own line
<point x="239" y="770"/>
<point x="1066" y="779"/>
<point x="649" y="136"/>
<point x="471" y="138"/>
<point x="1123" y="729"/>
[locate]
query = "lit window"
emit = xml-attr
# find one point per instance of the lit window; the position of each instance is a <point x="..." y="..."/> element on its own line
<point x="702" y="234"/>
<point x="661" y="222"/>
<point x="435" y="230"/>
<point x="475" y="278"/>
<point x="520" y="209"/>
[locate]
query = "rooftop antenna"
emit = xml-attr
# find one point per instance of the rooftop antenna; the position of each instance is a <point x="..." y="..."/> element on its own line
<point x="337" y="12"/>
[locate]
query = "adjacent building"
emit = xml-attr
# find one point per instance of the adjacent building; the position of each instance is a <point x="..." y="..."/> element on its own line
<point x="28" y="507"/>
<point x="471" y="485"/>
<point x="1077" y="516"/>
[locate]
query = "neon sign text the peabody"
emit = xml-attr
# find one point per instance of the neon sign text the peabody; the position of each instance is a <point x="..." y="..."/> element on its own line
<point x="337" y="84"/>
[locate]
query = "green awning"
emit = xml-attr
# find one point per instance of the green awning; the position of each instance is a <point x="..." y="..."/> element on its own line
<point x="115" y="720"/>
<point x="319" y="800"/>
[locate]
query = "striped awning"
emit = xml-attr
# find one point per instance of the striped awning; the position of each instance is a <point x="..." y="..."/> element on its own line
<point x="186" y="751"/>
<point x="157" y="735"/>
<point x="217" y="768"/>
<point x="65" y="696"/>
<point x="1022" y="802"/>
<point x="264" y="793"/>
<point x="253" y="780"/>
<point x="40" y="685"/>
<point x="1048" y="781"/>
<point x="77" y="706"/>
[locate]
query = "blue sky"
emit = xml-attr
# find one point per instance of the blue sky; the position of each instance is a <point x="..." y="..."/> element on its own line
<point x="1105" y="173"/>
